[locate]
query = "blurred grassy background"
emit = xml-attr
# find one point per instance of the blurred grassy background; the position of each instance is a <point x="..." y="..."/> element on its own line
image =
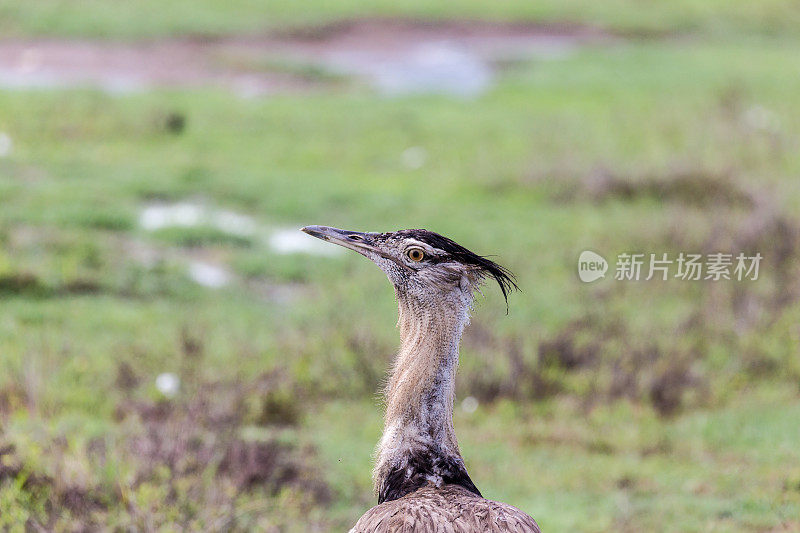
<point x="650" y="406"/>
<point x="146" y="18"/>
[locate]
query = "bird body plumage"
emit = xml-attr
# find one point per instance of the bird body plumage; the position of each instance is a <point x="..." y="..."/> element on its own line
<point x="448" y="509"/>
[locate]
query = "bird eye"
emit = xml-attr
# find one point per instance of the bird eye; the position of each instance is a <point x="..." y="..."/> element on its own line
<point x="416" y="254"/>
<point x="355" y="237"/>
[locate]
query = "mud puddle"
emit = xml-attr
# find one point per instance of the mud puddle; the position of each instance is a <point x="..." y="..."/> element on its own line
<point x="393" y="56"/>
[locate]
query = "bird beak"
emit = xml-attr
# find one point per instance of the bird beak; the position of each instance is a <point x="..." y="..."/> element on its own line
<point x="354" y="240"/>
<point x="363" y="243"/>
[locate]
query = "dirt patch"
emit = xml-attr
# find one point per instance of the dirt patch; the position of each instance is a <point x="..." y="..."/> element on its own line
<point x="567" y="352"/>
<point x="200" y="429"/>
<point x="21" y="283"/>
<point x="667" y="389"/>
<point x="696" y="187"/>
<point x="596" y="359"/>
<point x="31" y="285"/>
<point x="120" y="67"/>
<point x="197" y="458"/>
<point x="382" y="50"/>
<point x="54" y="495"/>
<point x="378" y="29"/>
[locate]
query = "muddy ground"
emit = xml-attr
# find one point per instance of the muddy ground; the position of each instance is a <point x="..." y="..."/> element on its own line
<point x="393" y="55"/>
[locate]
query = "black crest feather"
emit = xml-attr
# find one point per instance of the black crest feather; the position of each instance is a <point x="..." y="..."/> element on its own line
<point x="505" y="279"/>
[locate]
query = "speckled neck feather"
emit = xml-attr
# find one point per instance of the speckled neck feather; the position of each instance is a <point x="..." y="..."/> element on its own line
<point x="419" y="444"/>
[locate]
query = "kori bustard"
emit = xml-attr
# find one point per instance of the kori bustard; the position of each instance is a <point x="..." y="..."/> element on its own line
<point x="420" y="477"/>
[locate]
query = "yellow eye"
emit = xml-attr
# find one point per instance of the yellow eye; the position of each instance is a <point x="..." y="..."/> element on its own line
<point x="416" y="254"/>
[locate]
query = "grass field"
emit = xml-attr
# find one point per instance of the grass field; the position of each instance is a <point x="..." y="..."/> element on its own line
<point x="613" y="406"/>
<point x="147" y="18"/>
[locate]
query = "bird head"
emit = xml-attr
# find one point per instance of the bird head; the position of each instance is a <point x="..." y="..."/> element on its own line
<point x="421" y="262"/>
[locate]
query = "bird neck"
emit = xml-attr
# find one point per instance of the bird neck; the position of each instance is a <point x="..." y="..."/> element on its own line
<point x="419" y="444"/>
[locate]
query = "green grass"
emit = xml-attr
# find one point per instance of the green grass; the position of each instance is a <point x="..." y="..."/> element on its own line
<point x="86" y="292"/>
<point x="614" y="468"/>
<point x="148" y="18"/>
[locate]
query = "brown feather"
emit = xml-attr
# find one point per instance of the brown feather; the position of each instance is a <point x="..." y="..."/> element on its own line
<point x="449" y="509"/>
